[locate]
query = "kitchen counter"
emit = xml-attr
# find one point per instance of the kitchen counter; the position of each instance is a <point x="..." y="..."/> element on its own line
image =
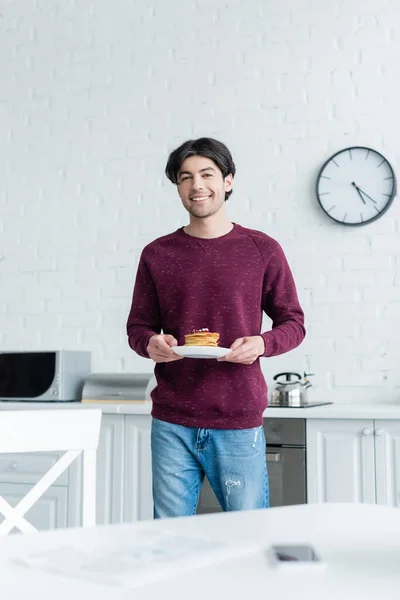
<point x="331" y="411"/>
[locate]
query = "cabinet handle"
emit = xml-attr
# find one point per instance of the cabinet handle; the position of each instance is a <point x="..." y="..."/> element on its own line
<point x="14" y="465"/>
<point x="273" y="456"/>
<point x="378" y="431"/>
<point x="367" y="431"/>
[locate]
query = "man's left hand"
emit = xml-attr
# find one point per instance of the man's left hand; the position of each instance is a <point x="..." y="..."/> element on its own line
<point x="245" y="350"/>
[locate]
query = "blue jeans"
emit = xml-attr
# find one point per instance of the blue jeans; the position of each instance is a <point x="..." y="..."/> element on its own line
<point x="233" y="460"/>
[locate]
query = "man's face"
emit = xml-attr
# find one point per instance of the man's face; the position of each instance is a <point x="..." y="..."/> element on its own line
<point x="202" y="187"/>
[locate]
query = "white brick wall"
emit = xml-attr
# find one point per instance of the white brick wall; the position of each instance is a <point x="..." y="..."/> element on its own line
<point x="94" y="95"/>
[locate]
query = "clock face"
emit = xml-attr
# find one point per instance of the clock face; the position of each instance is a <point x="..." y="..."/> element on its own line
<point x="356" y="186"/>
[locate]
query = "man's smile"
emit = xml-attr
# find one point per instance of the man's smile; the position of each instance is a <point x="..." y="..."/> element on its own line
<point x="199" y="198"/>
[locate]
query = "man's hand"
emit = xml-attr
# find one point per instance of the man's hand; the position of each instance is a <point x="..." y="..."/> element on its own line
<point x="245" y="350"/>
<point x="159" y="348"/>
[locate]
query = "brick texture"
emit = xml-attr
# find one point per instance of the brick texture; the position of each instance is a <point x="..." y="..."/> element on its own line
<point x="94" y="95"/>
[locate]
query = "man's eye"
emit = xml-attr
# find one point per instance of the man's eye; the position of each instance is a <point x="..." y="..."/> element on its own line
<point x="184" y="178"/>
<point x="207" y="175"/>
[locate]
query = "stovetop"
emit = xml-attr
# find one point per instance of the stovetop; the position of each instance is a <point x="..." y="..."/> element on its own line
<point x="304" y="405"/>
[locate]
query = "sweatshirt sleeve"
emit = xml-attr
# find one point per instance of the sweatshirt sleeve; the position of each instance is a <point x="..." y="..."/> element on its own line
<point x="144" y="317"/>
<point x="281" y="304"/>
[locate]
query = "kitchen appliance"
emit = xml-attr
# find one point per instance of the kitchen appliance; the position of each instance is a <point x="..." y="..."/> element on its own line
<point x="291" y="391"/>
<point x="286" y="465"/>
<point x="51" y="376"/>
<point x="119" y="387"/>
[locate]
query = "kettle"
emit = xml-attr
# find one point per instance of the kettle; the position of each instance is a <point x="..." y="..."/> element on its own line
<point x="290" y="389"/>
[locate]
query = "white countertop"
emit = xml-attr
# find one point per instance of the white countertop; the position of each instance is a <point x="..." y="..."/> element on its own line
<point x="359" y="545"/>
<point x="331" y="411"/>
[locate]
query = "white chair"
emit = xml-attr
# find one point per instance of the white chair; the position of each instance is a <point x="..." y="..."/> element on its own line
<point x="71" y="431"/>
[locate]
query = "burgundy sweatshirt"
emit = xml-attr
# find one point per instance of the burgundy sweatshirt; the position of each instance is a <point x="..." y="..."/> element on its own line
<point x="223" y="284"/>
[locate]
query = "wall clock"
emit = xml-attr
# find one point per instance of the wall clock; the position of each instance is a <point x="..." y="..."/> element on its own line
<point x="356" y="186"/>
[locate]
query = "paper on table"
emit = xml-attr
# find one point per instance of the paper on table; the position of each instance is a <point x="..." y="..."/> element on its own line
<point x="131" y="562"/>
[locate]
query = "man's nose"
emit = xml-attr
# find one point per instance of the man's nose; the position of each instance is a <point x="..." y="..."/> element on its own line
<point x="197" y="182"/>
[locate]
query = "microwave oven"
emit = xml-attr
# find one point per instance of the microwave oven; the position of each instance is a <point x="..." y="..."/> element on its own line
<point x="51" y="376"/>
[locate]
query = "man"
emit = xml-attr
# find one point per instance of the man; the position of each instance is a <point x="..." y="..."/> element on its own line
<point x="207" y="413"/>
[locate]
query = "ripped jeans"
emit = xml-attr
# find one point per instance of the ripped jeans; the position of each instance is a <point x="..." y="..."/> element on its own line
<point x="233" y="460"/>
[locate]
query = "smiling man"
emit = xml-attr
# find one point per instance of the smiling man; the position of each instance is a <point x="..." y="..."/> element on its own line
<point x="215" y="274"/>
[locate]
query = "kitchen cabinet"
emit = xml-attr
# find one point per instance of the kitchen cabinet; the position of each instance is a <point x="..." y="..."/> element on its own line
<point x="347" y="459"/>
<point x="49" y="512"/>
<point x="109" y="476"/>
<point x="123" y="478"/>
<point x="110" y="470"/>
<point x="387" y="462"/>
<point x="138" y="500"/>
<point x="19" y="473"/>
<point x="123" y="472"/>
<point x="353" y="461"/>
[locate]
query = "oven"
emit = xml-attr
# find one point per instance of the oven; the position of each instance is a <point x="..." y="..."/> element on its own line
<point x="286" y="464"/>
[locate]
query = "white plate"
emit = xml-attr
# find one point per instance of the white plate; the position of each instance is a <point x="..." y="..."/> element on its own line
<point x="200" y="351"/>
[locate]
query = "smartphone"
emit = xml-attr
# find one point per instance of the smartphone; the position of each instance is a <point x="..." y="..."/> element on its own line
<point x="295" y="556"/>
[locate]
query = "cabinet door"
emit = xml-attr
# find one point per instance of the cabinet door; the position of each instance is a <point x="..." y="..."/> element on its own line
<point x="138" y="497"/>
<point x="49" y="512"/>
<point x="340" y="461"/>
<point x="29" y="467"/>
<point x="110" y="470"/>
<point x="109" y="476"/>
<point x="387" y="453"/>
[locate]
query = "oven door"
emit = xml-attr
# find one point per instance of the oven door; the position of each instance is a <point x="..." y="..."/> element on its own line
<point x="286" y="475"/>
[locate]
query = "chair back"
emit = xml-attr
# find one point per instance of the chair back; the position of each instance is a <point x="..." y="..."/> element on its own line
<point x="72" y="431"/>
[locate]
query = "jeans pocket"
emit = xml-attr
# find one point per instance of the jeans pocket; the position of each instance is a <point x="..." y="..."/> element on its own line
<point x="242" y="443"/>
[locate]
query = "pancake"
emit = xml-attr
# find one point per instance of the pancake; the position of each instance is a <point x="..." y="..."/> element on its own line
<point x="202" y="337"/>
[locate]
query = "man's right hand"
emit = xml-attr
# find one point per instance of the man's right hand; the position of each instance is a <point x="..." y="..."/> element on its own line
<point x="159" y="348"/>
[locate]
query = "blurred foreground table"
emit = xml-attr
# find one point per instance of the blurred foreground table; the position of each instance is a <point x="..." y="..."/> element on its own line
<point x="219" y="555"/>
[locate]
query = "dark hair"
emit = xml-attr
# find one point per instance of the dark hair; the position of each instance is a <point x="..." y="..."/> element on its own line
<point x="208" y="147"/>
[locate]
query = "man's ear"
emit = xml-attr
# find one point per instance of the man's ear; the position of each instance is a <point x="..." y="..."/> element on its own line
<point x="228" y="182"/>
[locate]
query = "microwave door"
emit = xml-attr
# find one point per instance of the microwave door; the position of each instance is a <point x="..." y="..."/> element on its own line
<point x="26" y="374"/>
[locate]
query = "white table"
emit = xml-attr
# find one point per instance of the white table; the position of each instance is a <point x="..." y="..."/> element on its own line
<point x="360" y="544"/>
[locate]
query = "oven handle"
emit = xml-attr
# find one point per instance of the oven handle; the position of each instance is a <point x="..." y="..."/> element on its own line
<point x="274" y="456"/>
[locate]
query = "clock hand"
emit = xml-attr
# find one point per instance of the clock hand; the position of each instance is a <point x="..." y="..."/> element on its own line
<point x="365" y="194"/>
<point x="358" y="191"/>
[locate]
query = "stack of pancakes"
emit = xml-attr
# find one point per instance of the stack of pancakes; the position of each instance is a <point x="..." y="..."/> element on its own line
<point x="202" y="337"/>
